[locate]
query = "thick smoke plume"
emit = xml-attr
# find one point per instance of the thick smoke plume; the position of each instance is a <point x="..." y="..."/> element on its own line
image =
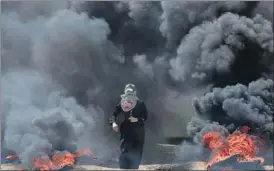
<point x="38" y="118"/>
<point x="241" y="104"/>
<point x="212" y="48"/>
<point x="177" y="22"/>
<point x="64" y="65"/>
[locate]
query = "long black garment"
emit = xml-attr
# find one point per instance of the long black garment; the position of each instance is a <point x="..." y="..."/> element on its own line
<point x="132" y="135"/>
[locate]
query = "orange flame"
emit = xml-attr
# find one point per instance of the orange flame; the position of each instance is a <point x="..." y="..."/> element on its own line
<point x="58" y="161"/>
<point x="237" y="143"/>
<point x="62" y="160"/>
<point x="213" y="140"/>
<point x="11" y="157"/>
<point x="42" y="164"/>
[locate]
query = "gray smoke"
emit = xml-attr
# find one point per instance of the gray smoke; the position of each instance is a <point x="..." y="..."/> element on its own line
<point x="180" y="16"/>
<point x="195" y="153"/>
<point x="195" y="125"/>
<point x="250" y="104"/>
<point x="265" y="8"/>
<point x="64" y="65"/>
<point x="38" y="117"/>
<point x="71" y="47"/>
<point x="27" y="9"/>
<point x="38" y="114"/>
<point x="145" y="13"/>
<point x="212" y="47"/>
<point x="198" y="127"/>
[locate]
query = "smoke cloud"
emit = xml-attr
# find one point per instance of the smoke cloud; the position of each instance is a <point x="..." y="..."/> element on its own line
<point x="64" y="65"/>
<point x="39" y="117"/>
<point x="242" y="104"/>
<point x="211" y="48"/>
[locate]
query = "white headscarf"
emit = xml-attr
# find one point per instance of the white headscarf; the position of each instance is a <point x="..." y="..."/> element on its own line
<point x="129" y="98"/>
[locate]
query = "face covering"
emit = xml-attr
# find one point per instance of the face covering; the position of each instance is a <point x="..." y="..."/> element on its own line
<point x="128" y="102"/>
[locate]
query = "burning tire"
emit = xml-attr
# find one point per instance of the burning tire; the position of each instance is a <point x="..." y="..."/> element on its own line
<point x="239" y="143"/>
<point x="67" y="167"/>
<point x="59" y="161"/>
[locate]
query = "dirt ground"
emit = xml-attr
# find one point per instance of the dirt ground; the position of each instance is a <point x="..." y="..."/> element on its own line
<point x="164" y="149"/>
<point x="190" y="165"/>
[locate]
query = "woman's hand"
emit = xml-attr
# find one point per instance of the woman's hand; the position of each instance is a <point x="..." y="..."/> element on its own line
<point x="133" y="119"/>
<point x="115" y="127"/>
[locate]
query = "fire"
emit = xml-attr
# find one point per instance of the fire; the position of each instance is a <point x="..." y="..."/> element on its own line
<point x="42" y="164"/>
<point x="58" y="160"/>
<point x="213" y="140"/>
<point x="237" y="143"/>
<point x="85" y="152"/>
<point x="11" y="157"/>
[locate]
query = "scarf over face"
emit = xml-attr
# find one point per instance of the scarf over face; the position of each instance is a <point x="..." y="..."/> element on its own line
<point x="128" y="102"/>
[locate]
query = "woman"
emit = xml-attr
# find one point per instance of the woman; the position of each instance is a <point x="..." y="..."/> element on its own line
<point x="131" y="128"/>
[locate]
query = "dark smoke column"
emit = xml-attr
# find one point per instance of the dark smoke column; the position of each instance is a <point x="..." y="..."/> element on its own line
<point x="239" y="104"/>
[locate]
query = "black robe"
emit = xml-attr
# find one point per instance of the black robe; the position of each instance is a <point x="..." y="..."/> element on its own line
<point x="132" y="134"/>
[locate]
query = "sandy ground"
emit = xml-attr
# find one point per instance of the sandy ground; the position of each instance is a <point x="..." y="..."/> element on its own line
<point x="163" y="148"/>
<point x="190" y="165"/>
<point x="93" y="167"/>
<point x="142" y="167"/>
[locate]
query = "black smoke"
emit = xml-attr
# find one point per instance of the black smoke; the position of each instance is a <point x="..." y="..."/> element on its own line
<point x="240" y="104"/>
<point x="64" y="65"/>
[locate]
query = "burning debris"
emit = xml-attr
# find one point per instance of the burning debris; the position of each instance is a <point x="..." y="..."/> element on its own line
<point x="239" y="143"/>
<point x="52" y="121"/>
<point x="59" y="160"/>
<point x="170" y="45"/>
<point x="11" y="157"/>
<point x="222" y="146"/>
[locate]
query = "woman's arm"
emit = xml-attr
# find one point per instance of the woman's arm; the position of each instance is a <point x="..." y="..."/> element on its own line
<point x="143" y="112"/>
<point x="115" y="113"/>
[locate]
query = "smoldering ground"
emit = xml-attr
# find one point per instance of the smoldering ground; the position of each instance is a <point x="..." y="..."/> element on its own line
<point x="64" y="64"/>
